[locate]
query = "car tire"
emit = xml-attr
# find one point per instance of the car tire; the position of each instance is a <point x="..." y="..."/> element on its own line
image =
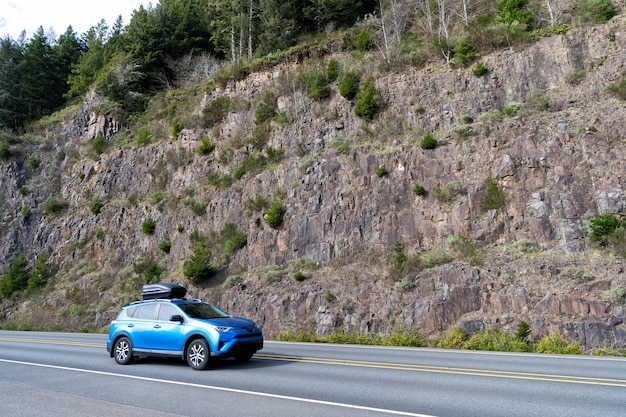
<point x="198" y="354"/>
<point x="123" y="351"/>
<point x="243" y="356"/>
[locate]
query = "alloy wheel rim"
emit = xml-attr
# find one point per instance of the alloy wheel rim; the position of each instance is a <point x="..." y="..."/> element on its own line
<point x="122" y="351"/>
<point x="197" y="354"/>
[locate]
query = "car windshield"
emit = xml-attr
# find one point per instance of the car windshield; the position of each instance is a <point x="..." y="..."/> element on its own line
<point x="203" y="311"/>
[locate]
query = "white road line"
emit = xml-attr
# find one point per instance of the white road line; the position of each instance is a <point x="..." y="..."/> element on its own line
<point x="210" y="387"/>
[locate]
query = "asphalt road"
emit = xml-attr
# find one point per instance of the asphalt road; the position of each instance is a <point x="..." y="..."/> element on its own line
<point x="71" y="375"/>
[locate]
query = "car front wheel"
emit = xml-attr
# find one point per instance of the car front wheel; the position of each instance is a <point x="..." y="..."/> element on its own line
<point x="198" y="354"/>
<point x="123" y="351"/>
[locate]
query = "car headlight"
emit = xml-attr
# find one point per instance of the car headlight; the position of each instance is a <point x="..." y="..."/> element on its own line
<point x="223" y="329"/>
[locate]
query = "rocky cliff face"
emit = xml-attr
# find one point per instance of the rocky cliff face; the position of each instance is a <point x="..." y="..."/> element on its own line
<point x="559" y="161"/>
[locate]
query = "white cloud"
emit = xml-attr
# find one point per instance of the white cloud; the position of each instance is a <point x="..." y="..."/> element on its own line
<point x="58" y="15"/>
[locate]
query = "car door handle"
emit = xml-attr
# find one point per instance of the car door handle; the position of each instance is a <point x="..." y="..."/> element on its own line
<point x="131" y="325"/>
<point x="157" y="326"/>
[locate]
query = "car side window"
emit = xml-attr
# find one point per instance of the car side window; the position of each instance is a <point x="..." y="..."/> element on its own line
<point x="166" y="311"/>
<point x="131" y="312"/>
<point x="146" y="312"/>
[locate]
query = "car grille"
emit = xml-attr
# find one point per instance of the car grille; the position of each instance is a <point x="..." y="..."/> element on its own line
<point x="247" y="335"/>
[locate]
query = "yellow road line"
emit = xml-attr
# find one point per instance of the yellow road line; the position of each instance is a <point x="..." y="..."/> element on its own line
<point x="449" y="370"/>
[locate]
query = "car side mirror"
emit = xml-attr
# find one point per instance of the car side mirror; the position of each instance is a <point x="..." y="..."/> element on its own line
<point x="177" y="317"/>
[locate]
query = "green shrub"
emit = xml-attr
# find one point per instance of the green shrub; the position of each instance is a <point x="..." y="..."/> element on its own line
<point x="206" y="147"/>
<point x="419" y="190"/>
<point x="316" y="84"/>
<point x="275" y="214"/>
<point x="511" y="109"/>
<point x="198" y="209"/>
<point x="613" y="296"/>
<point x="465" y="248"/>
<point x="496" y="340"/>
<point x="144" y="138"/>
<point x="537" y="100"/>
<point x="254" y="162"/>
<point x="148" y="226"/>
<point x="332" y="70"/>
<point x="617" y="241"/>
<point x="215" y="111"/>
<point x="274" y="155"/>
<point x="16" y="278"/>
<point x="220" y="181"/>
<point x="448" y="192"/>
<point x="149" y="269"/>
<point x="554" y="343"/>
<point x="165" y="246"/>
<point x="435" y="257"/>
<point x="398" y="338"/>
<point x="575" y="77"/>
<point x="341" y="145"/>
<point x="98" y="144"/>
<point x="96" y="206"/>
<point x="368" y="101"/>
<point x="576" y="274"/>
<point x="232" y="280"/>
<point x="596" y="11"/>
<point x="464" y="131"/>
<point x="23" y="190"/>
<point x="177" y="127"/>
<point x="274" y="274"/>
<point x="479" y="69"/>
<point x="406" y="284"/>
<point x="404" y="338"/>
<point x="523" y="331"/>
<point x="255" y="204"/>
<point x="53" y="206"/>
<point x="601" y="226"/>
<point x="349" y="85"/>
<point x="363" y="42"/>
<point x="454" y="339"/>
<point x="33" y="162"/>
<point x="510" y="12"/>
<point x="399" y="258"/>
<point x="526" y="246"/>
<point x="239" y="172"/>
<point x="233" y="239"/>
<point x="381" y="171"/>
<point x="464" y="52"/>
<point x="41" y="274"/>
<point x="198" y="267"/>
<point x="494" y="198"/>
<point x="428" y="142"/>
<point x="5" y="150"/>
<point x="330" y="297"/>
<point x="618" y="89"/>
<point x="299" y="276"/>
<point x="263" y="113"/>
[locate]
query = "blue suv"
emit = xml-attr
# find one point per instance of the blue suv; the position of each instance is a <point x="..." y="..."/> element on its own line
<point x="193" y="330"/>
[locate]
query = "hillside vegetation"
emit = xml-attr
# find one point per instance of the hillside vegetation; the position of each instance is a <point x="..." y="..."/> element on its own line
<point x="324" y="167"/>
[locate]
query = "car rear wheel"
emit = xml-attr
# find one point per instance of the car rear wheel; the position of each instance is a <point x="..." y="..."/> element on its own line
<point x="123" y="351"/>
<point x="198" y="354"/>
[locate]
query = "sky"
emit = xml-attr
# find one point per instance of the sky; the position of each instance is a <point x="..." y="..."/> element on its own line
<point x="18" y="15"/>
